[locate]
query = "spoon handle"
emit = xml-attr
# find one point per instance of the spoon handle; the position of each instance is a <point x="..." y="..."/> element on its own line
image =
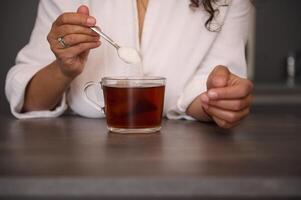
<point x="106" y="37"/>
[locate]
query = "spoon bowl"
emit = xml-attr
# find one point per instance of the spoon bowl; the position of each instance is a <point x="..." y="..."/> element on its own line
<point x="127" y="54"/>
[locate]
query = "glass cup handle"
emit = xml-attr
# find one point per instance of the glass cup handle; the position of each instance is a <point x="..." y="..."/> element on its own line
<point x="90" y="100"/>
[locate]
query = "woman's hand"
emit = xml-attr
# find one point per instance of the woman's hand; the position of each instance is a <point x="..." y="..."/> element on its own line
<point x="227" y="99"/>
<point x="45" y="89"/>
<point x="78" y="38"/>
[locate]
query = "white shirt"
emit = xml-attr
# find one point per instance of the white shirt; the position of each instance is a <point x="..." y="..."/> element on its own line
<point x="175" y="44"/>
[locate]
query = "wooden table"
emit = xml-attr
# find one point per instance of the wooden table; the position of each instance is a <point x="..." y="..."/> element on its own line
<point x="73" y="157"/>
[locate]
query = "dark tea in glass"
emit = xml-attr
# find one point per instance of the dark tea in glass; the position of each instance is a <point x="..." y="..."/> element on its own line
<point x="133" y="105"/>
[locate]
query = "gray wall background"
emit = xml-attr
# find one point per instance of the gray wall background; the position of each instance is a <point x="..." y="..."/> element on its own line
<point x="278" y="31"/>
<point x="16" y="21"/>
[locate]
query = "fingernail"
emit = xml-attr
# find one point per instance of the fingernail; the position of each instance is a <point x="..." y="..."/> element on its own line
<point x="204" y="98"/>
<point x="212" y="95"/>
<point x="91" y="21"/>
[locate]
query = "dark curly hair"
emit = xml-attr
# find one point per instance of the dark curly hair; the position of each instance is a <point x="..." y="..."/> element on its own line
<point x="208" y="6"/>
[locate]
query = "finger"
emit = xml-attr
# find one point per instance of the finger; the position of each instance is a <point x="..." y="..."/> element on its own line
<point x="240" y="90"/>
<point x="61" y="31"/>
<point x="234" y="105"/>
<point x="77" y="49"/>
<point x="226" y="115"/>
<point x="204" y="98"/>
<point x="218" y="77"/>
<point x="75" y="39"/>
<point x="64" y="31"/>
<point x="75" y="19"/>
<point x="222" y="123"/>
<point x="84" y="10"/>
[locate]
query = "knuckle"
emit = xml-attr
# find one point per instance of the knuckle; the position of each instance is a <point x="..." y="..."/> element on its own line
<point x="239" y="105"/>
<point x="223" y="124"/>
<point x="58" y="20"/>
<point x="244" y="90"/>
<point x="249" y="86"/>
<point x="63" y="18"/>
<point x="232" y="117"/>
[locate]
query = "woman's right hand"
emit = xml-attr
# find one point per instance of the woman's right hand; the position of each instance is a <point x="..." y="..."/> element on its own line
<point x="75" y="30"/>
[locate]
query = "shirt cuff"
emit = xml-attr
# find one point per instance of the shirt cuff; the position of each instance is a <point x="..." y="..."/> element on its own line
<point x="16" y="93"/>
<point x="193" y="89"/>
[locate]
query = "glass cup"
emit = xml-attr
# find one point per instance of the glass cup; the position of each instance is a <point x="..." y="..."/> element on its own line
<point x="132" y="104"/>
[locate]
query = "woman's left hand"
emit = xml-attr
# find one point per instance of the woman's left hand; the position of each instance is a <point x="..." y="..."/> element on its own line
<point x="228" y="97"/>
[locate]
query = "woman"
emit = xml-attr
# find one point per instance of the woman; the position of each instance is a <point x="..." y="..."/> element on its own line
<point x="198" y="46"/>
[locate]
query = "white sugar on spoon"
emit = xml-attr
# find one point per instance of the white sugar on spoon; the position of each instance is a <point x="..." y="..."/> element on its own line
<point x="128" y="55"/>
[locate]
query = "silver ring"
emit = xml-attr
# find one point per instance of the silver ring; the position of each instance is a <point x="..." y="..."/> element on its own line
<point x="62" y="42"/>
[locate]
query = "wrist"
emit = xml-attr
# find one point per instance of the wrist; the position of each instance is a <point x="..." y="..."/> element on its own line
<point x="196" y="110"/>
<point x="60" y="74"/>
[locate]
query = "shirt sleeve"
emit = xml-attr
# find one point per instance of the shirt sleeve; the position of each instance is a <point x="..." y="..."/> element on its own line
<point x="228" y="49"/>
<point x="34" y="56"/>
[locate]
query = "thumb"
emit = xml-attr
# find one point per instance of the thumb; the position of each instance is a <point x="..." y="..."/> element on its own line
<point x="83" y="10"/>
<point x="218" y="77"/>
